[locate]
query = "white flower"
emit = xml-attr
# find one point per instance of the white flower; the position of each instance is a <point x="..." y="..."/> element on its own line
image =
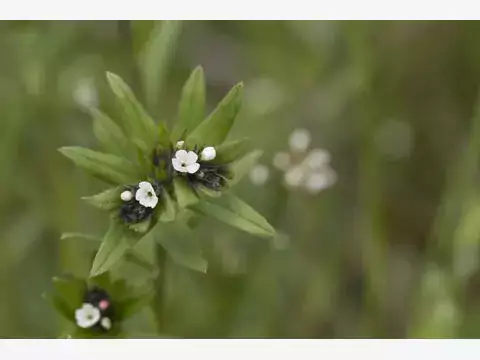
<point x="208" y="153"/>
<point x="106" y="323"/>
<point x="299" y="140"/>
<point x="145" y="195"/>
<point x="185" y="162"/>
<point x="180" y="144"/>
<point x="259" y="174"/>
<point x="281" y="160"/>
<point x="87" y="316"/>
<point x="126" y="195"/>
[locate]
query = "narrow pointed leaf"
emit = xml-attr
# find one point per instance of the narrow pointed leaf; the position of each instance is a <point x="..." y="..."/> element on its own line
<point x="191" y="107"/>
<point x="231" y="151"/>
<point x="106" y="200"/>
<point x="156" y="58"/>
<point x="77" y="235"/>
<point x="60" y="305"/>
<point x="70" y="290"/>
<point x="141" y="227"/>
<point x="106" y="167"/>
<point x="138" y="123"/>
<point x="168" y="210"/>
<point x="184" y="193"/>
<point x="116" y="242"/>
<point x="214" y="129"/>
<point x="237" y="213"/>
<point x="242" y="166"/>
<point x="109" y="134"/>
<point x="182" y="244"/>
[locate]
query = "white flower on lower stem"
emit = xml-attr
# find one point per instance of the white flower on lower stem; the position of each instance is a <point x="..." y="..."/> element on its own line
<point x="106" y="323"/>
<point x="145" y="195"/>
<point x="185" y="162"/>
<point x="208" y="153"/>
<point x="87" y="316"/>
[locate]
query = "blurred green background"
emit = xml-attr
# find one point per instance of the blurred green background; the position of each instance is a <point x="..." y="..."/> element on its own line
<point x="381" y="243"/>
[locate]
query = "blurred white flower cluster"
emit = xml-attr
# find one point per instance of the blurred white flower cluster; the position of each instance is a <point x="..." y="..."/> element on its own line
<point x="302" y="167"/>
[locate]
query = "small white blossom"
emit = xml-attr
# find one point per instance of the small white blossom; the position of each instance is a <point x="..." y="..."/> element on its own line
<point x="87" y="316"/>
<point x="282" y="160"/>
<point x="259" y="174"/>
<point x="106" y="323"/>
<point x="294" y="176"/>
<point x="317" y="158"/>
<point x="299" y="140"/>
<point x="319" y="181"/>
<point x="208" y="153"/>
<point x="145" y="195"/>
<point x="180" y="144"/>
<point x="126" y="195"/>
<point x="185" y="162"/>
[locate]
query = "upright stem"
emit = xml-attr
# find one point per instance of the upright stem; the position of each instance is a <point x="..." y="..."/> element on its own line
<point x="126" y="39"/>
<point x="159" y="297"/>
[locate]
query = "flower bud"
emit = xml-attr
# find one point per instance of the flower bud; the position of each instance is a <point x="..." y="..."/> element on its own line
<point x="208" y="153"/>
<point x="126" y="195"/>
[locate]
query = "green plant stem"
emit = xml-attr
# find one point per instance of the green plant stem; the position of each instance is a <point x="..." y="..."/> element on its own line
<point x="159" y="296"/>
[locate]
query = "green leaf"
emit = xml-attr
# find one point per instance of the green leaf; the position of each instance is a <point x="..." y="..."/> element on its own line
<point x="106" y="167"/>
<point x="133" y="305"/>
<point x="141" y="227"/>
<point x="138" y="259"/>
<point x="116" y="242"/>
<point x="106" y="200"/>
<point x="60" y="306"/>
<point x="109" y="134"/>
<point x="168" y="210"/>
<point x="183" y="192"/>
<point x="182" y="244"/>
<point x="156" y="58"/>
<point x="71" y="291"/>
<point x="138" y="122"/>
<point x="102" y="280"/>
<point x="237" y="213"/>
<point x="231" y="151"/>
<point x="77" y="235"/>
<point x="191" y="107"/>
<point x="242" y="166"/>
<point x="214" y="130"/>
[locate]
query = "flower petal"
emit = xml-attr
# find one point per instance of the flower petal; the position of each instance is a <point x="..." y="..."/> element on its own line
<point x="182" y="155"/>
<point x="141" y="194"/>
<point x="145" y="185"/>
<point x="150" y="201"/>
<point x="192" y="158"/>
<point x="177" y="165"/>
<point x="87" y="316"/>
<point x="193" y="168"/>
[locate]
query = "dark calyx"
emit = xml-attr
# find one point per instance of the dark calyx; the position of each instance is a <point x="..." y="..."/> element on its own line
<point x="212" y="176"/>
<point x="132" y="211"/>
<point x="100" y="299"/>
